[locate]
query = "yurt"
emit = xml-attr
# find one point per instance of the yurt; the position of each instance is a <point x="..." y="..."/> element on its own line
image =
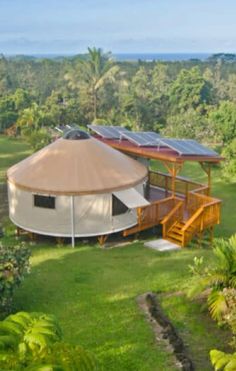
<point x="76" y="187"/>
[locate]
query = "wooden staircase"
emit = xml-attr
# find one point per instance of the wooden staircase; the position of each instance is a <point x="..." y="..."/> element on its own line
<point x="176" y="235"/>
<point x="183" y="218"/>
<point x="191" y="218"/>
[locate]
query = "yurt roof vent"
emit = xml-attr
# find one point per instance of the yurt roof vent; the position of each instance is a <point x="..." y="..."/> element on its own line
<point x="76" y="134"/>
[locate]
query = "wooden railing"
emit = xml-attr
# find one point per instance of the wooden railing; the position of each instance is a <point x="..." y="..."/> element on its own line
<point x="196" y="200"/>
<point x="193" y="207"/>
<point x="151" y="215"/>
<point x="182" y="185"/>
<point x="204" y="217"/>
<point x="175" y="215"/>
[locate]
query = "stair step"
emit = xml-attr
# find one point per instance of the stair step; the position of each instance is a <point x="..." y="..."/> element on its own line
<point x="173" y="241"/>
<point x="176" y="230"/>
<point x="180" y="226"/>
<point x="174" y="236"/>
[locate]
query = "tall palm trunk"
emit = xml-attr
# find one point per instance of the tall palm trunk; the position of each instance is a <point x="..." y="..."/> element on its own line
<point x="95" y="104"/>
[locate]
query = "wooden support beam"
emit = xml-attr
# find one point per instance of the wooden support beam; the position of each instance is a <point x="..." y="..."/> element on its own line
<point x="60" y="240"/>
<point x="173" y="168"/>
<point x="206" y="167"/>
<point x="102" y="239"/>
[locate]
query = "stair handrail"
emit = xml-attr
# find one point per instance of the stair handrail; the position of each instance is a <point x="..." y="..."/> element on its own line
<point x="193" y="218"/>
<point x="198" y="212"/>
<point x="170" y="215"/>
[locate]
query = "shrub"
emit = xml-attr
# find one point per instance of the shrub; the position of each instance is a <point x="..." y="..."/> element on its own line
<point x="220" y="279"/>
<point x="8" y="227"/>
<point x="215" y="278"/>
<point x="14" y="264"/>
<point x="223" y="361"/>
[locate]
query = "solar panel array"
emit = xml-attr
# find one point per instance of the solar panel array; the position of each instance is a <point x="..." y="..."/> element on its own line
<point x="151" y="139"/>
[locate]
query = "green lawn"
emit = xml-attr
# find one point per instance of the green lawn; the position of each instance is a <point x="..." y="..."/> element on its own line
<point x="93" y="291"/>
<point x="11" y="151"/>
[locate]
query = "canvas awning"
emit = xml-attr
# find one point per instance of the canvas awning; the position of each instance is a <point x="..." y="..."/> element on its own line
<point x="131" y="198"/>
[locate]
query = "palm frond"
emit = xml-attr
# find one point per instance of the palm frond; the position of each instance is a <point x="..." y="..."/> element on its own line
<point x="223" y="361"/>
<point x="217" y="304"/>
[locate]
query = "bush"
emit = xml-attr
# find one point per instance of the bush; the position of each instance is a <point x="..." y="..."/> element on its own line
<point x="37" y="139"/>
<point x="14" y="264"/>
<point x="220" y="280"/>
<point x="8" y="227"/>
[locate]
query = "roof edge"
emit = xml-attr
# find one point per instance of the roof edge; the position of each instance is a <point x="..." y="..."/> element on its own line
<point x="76" y="193"/>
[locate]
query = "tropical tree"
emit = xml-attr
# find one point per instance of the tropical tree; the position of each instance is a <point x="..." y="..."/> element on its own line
<point x="90" y="76"/>
<point x="188" y="90"/>
<point x="224" y="119"/>
<point x="31" y="118"/>
<point x="229" y="167"/>
<point x="138" y="103"/>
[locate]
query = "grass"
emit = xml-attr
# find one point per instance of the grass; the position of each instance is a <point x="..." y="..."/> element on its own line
<point x="93" y="291"/>
<point x="11" y="151"/>
<point x="93" y="294"/>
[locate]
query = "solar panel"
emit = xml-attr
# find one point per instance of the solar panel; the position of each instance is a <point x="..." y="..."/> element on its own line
<point x="108" y="132"/>
<point x="152" y="135"/>
<point x="187" y="147"/>
<point x="62" y="128"/>
<point x="142" y="139"/>
<point x="201" y="149"/>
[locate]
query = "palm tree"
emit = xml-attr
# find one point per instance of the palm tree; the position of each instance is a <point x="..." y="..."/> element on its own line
<point x="92" y="74"/>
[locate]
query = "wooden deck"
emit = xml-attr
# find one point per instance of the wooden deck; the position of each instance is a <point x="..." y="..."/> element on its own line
<point x="185" y="211"/>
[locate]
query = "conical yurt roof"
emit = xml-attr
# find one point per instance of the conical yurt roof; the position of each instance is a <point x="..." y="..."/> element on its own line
<point x="74" y="167"/>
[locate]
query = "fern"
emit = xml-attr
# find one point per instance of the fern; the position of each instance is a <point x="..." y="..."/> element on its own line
<point x="35" y="330"/>
<point x="32" y="341"/>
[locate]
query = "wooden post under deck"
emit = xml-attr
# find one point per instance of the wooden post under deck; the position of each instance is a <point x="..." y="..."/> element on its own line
<point x="206" y="167"/>
<point x="102" y="239"/>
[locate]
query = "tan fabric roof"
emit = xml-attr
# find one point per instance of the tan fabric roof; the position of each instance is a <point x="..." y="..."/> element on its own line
<point x="77" y="167"/>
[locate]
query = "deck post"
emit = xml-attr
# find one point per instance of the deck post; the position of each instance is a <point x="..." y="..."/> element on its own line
<point x="206" y="167"/>
<point x="72" y="221"/>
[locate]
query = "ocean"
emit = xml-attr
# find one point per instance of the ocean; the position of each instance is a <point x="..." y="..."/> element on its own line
<point x="136" y="56"/>
<point x="170" y="57"/>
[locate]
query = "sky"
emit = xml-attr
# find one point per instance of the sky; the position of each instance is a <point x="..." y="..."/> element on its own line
<point x="119" y="26"/>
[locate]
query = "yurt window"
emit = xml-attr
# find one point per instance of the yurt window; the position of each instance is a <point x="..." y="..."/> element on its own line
<point x="118" y="207"/>
<point x="47" y="202"/>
